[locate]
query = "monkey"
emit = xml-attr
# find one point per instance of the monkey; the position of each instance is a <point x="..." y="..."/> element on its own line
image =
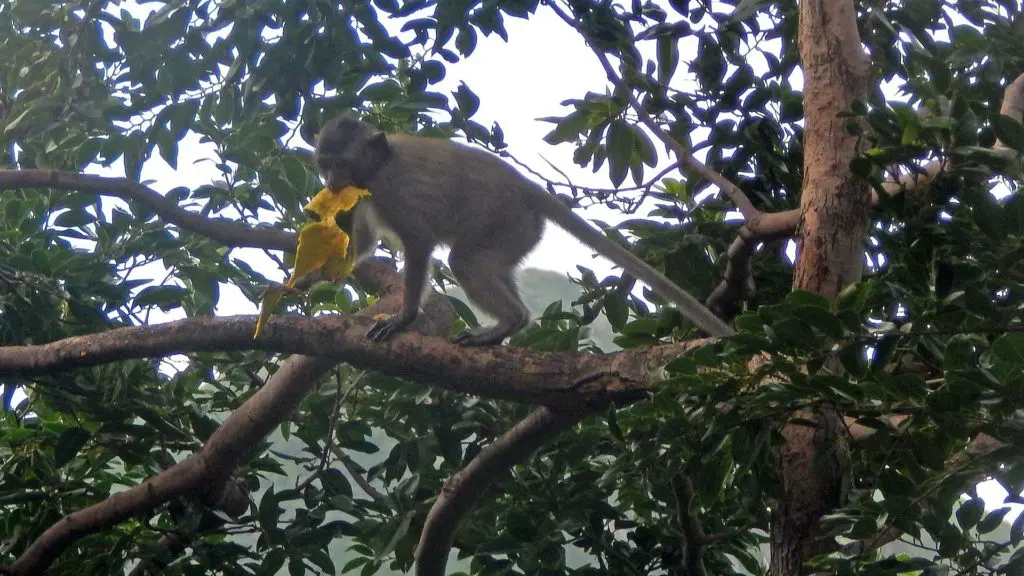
<point x="431" y="192"/>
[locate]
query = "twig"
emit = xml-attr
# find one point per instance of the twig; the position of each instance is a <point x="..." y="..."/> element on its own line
<point x="325" y="458"/>
<point x="735" y="194"/>
<point x="357" y="474"/>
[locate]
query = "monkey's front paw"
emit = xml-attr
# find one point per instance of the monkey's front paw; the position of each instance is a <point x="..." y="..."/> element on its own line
<point x="384" y="329"/>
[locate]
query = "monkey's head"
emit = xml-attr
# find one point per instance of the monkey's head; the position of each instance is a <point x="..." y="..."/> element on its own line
<point x="349" y="152"/>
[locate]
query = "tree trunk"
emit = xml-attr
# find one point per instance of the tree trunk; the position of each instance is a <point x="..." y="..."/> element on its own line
<point x="834" y="221"/>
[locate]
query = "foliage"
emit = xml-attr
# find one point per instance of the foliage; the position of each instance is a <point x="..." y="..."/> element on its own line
<point x="94" y="83"/>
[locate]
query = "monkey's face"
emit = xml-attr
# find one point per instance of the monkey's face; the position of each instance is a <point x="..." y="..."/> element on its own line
<point x="336" y="172"/>
<point x="332" y="155"/>
<point x="349" y="152"/>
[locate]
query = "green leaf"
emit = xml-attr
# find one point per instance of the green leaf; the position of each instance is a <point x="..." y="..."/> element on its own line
<point x="1017" y="530"/>
<point x="335" y="483"/>
<point x="296" y="173"/>
<point x="959" y="353"/>
<point x="400" y="530"/>
<point x="468" y="102"/>
<point x="613" y="423"/>
<point x="616" y="310"/>
<point x="465" y="41"/>
<point x="668" y="58"/>
<point x="822" y="320"/>
<point x="853" y="298"/>
<point x="74" y="219"/>
<point x="433" y="70"/>
<point x="68" y="445"/>
<point x="1008" y="350"/>
<point x="164" y="297"/>
<point x="1010" y="131"/>
<point x="272" y="562"/>
<point x="167" y="146"/>
<point x="993" y="520"/>
<point x="806" y="298"/>
<point x="619" y="143"/>
<point x="269" y="511"/>
<point x="568" y="129"/>
<point x="382" y="91"/>
<point x="969" y="513"/>
<point x="854" y="359"/>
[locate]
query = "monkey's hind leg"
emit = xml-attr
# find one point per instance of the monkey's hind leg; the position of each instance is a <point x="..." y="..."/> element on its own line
<point x="490" y="284"/>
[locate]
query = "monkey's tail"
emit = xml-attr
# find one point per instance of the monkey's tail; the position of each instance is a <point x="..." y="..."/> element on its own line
<point x="561" y="215"/>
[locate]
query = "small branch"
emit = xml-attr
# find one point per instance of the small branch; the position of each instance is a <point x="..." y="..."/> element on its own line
<point x="738" y="281"/>
<point x="224" y="231"/>
<point x="462" y="490"/>
<point x="735" y="194"/>
<point x="694" y="538"/>
<point x="357" y="474"/>
<point x="982" y="445"/>
<point x="325" y="458"/>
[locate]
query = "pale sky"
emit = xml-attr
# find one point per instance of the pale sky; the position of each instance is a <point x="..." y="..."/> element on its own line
<point x="543" y="63"/>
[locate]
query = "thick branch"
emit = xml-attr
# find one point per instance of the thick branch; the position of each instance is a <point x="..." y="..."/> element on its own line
<point x="560" y="380"/>
<point x="738" y="280"/>
<point x="227" y="232"/>
<point x="462" y="490"/>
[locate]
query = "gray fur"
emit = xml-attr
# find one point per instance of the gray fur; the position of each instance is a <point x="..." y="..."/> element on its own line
<point x="430" y="192"/>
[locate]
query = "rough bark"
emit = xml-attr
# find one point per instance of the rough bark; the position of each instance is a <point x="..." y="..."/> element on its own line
<point x="833" y="223"/>
<point x="561" y="380"/>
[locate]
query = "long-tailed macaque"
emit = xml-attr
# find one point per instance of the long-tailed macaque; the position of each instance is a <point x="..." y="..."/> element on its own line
<point x="430" y="192"/>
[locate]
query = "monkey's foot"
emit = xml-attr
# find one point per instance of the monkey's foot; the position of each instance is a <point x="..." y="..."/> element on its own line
<point x="388" y="327"/>
<point x="488" y="337"/>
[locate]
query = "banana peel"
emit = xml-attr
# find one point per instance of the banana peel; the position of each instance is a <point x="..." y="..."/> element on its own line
<point x="323" y="247"/>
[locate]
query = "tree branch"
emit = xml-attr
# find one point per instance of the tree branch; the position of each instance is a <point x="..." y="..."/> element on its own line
<point x="206" y="475"/>
<point x="515" y="374"/>
<point x="227" y="232"/>
<point x="738" y="280"/>
<point x="462" y="490"/>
